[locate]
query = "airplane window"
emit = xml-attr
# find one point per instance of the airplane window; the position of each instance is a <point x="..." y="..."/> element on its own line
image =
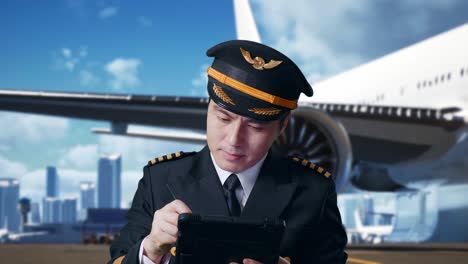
<point x="436" y="80"/>
<point x="408" y="112"/>
<point x="448" y="76"/>
<point x="462" y="71"/>
<point x="424" y="84"/>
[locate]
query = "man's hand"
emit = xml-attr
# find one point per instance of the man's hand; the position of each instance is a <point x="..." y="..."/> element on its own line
<point x="251" y="261"/>
<point x="164" y="230"/>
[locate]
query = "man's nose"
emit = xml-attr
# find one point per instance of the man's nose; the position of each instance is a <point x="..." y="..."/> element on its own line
<point x="235" y="133"/>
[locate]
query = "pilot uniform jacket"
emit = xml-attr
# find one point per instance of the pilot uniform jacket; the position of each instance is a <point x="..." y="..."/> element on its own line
<point x="285" y="189"/>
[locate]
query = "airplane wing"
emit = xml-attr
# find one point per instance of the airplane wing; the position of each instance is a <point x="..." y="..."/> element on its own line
<point x="180" y="113"/>
<point x="392" y="134"/>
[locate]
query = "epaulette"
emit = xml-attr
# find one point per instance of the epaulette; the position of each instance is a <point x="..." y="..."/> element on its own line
<point x="173" y="156"/>
<point x="311" y="165"/>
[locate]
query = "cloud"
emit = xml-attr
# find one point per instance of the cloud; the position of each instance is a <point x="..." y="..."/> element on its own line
<point x="83" y="51"/>
<point x="108" y="12"/>
<point x="31" y="128"/>
<point x="88" y="79"/>
<point x="80" y="157"/>
<point x="129" y="185"/>
<point x="11" y="169"/>
<point x="199" y="83"/>
<point x="64" y="59"/>
<point x="124" y="72"/>
<point x="145" y="21"/>
<point x="66" y="53"/>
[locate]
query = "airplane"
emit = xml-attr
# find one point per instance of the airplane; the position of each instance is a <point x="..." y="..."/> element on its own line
<point x="408" y="107"/>
<point x="374" y="234"/>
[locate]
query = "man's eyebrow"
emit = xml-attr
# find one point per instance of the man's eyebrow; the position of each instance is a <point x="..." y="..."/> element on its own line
<point x="219" y="109"/>
<point x="260" y="122"/>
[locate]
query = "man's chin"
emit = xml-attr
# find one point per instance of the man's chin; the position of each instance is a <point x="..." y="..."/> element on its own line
<point x="231" y="166"/>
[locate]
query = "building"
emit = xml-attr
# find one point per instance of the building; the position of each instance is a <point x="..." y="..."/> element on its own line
<point x="69" y="208"/>
<point x="88" y="195"/>
<point x="9" y="197"/>
<point x="51" y="211"/>
<point x="35" y="215"/>
<point x="52" y="184"/>
<point x="109" y="179"/>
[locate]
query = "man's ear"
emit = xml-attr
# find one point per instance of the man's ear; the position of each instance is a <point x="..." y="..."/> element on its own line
<point x="285" y="122"/>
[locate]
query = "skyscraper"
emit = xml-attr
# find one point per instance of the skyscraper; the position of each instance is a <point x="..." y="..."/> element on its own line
<point x="88" y="196"/>
<point x="35" y="215"/>
<point x="52" y="182"/>
<point x="51" y="210"/>
<point x="109" y="189"/>
<point x="9" y="196"/>
<point x="68" y="210"/>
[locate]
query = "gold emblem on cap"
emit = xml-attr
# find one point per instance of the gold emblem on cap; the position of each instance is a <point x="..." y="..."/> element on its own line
<point x="222" y="95"/>
<point x="265" y="111"/>
<point x="258" y="62"/>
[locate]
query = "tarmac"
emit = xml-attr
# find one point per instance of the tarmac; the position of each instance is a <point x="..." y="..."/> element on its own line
<point x="358" y="254"/>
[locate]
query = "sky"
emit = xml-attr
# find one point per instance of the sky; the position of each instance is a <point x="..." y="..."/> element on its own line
<point x="158" y="47"/>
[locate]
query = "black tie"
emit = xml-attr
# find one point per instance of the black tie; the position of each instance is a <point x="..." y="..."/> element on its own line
<point x="230" y="186"/>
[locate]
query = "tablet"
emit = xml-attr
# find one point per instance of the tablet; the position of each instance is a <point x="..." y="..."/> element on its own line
<point x="220" y="239"/>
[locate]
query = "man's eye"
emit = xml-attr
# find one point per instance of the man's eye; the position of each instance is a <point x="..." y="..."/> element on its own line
<point x="258" y="128"/>
<point x="223" y="118"/>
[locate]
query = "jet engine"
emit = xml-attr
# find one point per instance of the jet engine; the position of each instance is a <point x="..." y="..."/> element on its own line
<point x="314" y="135"/>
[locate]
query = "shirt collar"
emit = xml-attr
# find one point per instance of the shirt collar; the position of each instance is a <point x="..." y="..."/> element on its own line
<point x="247" y="177"/>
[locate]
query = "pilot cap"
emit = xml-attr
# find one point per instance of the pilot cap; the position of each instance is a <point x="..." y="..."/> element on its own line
<point x="254" y="80"/>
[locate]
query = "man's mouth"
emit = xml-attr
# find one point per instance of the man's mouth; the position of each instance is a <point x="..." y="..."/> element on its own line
<point x="232" y="156"/>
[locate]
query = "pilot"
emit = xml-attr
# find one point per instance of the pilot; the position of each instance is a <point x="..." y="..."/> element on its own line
<point x="252" y="90"/>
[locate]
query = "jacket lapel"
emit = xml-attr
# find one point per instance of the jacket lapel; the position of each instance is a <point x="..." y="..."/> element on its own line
<point x="201" y="189"/>
<point x="272" y="191"/>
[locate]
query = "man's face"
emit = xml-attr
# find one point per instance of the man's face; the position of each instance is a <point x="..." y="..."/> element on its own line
<point x="238" y="142"/>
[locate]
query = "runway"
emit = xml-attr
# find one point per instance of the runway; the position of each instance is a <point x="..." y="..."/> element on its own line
<point x="408" y="253"/>
<point x="396" y="253"/>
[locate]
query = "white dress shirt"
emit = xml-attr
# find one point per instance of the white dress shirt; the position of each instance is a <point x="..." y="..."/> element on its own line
<point x="247" y="179"/>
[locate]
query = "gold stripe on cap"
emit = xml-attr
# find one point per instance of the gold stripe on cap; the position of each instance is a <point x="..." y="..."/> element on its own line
<point x="272" y="99"/>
